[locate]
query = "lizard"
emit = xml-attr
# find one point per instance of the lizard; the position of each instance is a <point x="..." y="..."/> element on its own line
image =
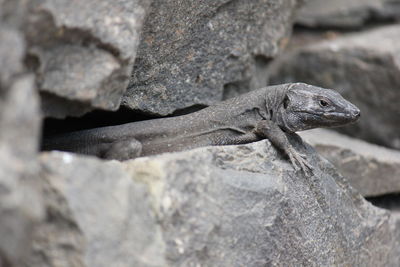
<point x="272" y="113"/>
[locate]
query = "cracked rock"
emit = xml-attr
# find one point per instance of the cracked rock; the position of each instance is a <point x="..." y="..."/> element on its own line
<point x="199" y="52"/>
<point x="373" y="170"/>
<point x="214" y="206"/>
<point x="20" y="202"/>
<point x="96" y="215"/>
<point x="82" y="52"/>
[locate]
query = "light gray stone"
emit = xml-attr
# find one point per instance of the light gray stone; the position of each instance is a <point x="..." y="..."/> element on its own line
<point x="83" y="51"/>
<point x="12" y="49"/>
<point x="215" y="206"/>
<point x="373" y="170"/>
<point x="199" y="52"/>
<point x="347" y="14"/>
<point x="20" y="203"/>
<point x="244" y="206"/>
<point x="364" y="68"/>
<point x="390" y="202"/>
<point x="96" y="215"/>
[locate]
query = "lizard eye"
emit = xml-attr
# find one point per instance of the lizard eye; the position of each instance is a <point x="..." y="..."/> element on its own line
<point x="286" y="102"/>
<point x="323" y="103"/>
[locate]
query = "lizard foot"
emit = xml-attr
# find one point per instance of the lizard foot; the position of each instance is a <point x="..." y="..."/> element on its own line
<point x="299" y="161"/>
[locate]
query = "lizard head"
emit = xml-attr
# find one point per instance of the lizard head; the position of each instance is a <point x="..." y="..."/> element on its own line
<point x="305" y="107"/>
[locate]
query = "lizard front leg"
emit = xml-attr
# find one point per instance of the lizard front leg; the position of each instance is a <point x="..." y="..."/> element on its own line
<point x="268" y="129"/>
<point x="123" y="150"/>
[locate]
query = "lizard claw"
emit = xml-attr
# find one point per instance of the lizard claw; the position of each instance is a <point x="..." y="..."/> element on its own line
<point x="299" y="161"/>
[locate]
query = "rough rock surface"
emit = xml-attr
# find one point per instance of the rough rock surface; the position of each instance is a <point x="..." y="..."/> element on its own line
<point x="97" y="215"/>
<point x="198" y="52"/>
<point x="83" y="51"/>
<point x="364" y="68"/>
<point x="20" y="203"/>
<point x="371" y="169"/>
<point x="347" y="14"/>
<point x="390" y="202"/>
<point x="20" y="206"/>
<point x="215" y="206"/>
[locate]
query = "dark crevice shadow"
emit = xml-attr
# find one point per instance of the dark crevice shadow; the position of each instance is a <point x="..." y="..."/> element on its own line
<point x="373" y="21"/>
<point x="188" y="110"/>
<point x="388" y="201"/>
<point x="91" y="120"/>
<point x="99" y="118"/>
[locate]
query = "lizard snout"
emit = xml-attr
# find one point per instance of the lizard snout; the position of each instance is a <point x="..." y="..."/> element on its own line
<point x="353" y="113"/>
<point x="356" y="113"/>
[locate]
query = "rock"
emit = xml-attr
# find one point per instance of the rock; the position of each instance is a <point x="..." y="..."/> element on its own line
<point x="244" y="206"/>
<point x="213" y="206"/>
<point x="199" y="52"/>
<point x="97" y="215"/>
<point x="347" y="14"/>
<point x="371" y="169"/>
<point x="391" y="203"/>
<point x="20" y="203"/>
<point x="82" y="52"/>
<point x="364" y="68"/>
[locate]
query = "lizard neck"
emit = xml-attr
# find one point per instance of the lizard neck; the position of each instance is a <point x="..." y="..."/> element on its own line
<point x="273" y="100"/>
<point x="285" y="122"/>
<point x="274" y="103"/>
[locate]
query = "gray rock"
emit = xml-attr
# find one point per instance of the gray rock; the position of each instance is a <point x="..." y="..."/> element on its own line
<point x="364" y="69"/>
<point x="97" y="215"/>
<point x="214" y="206"/>
<point x="347" y="14"/>
<point x="82" y="52"/>
<point x="390" y="202"/>
<point x="371" y="169"/>
<point x="63" y="74"/>
<point x="244" y="206"/>
<point x="20" y="204"/>
<point x="199" y="52"/>
<point x="394" y="224"/>
<point x="10" y="59"/>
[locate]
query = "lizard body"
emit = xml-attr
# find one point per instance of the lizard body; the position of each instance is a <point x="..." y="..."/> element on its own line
<point x="270" y="112"/>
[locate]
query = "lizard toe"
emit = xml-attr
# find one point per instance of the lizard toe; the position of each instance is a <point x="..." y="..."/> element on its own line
<point x="307" y="169"/>
<point x="299" y="161"/>
<point x="294" y="162"/>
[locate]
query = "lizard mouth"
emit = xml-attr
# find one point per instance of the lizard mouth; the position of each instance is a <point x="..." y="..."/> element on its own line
<point x="332" y="117"/>
<point x="343" y="117"/>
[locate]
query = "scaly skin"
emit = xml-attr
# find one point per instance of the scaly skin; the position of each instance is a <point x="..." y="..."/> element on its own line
<point x="271" y="112"/>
